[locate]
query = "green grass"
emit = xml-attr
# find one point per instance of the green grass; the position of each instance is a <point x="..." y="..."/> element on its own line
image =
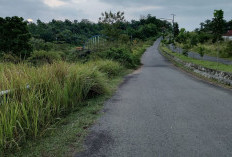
<point x="211" y="49"/>
<point x="66" y="137"/>
<point x="207" y="64"/>
<point x="56" y="90"/>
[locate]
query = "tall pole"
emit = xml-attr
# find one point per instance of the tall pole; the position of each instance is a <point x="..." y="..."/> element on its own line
<point x="173" y="20"/>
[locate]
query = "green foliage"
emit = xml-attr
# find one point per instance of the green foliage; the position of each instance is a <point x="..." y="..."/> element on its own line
<point x="124" y="38"/>
<point x="147" y="30"/>
<point x="148" y="27"/>
<point x="109" y="67"/>
<point x="193" y="40"/>
<point x="111" y="23"/>
<point x="186" y="50"/>
<point x="228" y="49"/>
<point x="65" y="31"/>
<point x="204" y="37"/>
<point x="43" y="57"/>
<point x="182" y="36"/>
<point x="207" y="64"/>
<point x="54" y="91"/>
<point x="8" y="57"/>
<point x="139" y="50"/>
<point x="14" y="37"/>
<point x="176" y="30"/>
<point x="40" y="44"/>
<point x="201" y="51"/>
<point x="122" y="55"/>
<point x="218" y="24"/>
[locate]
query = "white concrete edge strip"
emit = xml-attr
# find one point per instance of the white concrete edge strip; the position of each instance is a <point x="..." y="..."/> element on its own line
<point x="8" y="91"/>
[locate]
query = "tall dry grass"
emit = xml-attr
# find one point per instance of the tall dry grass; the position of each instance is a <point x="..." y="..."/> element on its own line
<point x="54" y="90"/>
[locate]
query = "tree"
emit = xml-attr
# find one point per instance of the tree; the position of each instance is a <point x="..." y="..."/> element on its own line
<point x="147" y="30"/>
<point x="218" y="24"/>
<point x="176" y="29"/>
<point x="182" y="36"/>
<point x="111" y="23"/>
<point x="14" y="37"/>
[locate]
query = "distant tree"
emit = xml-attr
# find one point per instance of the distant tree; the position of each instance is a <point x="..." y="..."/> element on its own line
<point x="14" y="37"/>
<point x="218" y="24"/>
<point x="176" y="29"/>
<point x="111" y="22"/>
<point x="193" y="39"/>
<point x="182" y="36"/>
<point x="147" y="30"/>
<point x="202" y="25"/>
<point x="229" y="25"/>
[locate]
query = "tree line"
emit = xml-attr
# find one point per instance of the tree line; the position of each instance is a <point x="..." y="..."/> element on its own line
<point x="210" y="32"/>
<point x="19" y="37"/>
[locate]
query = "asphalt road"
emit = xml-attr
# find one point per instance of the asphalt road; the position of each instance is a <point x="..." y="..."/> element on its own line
<point x="161" y="111"/>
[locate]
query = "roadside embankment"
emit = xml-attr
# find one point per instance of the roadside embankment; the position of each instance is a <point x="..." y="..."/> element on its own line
<point x="216" y="71"/>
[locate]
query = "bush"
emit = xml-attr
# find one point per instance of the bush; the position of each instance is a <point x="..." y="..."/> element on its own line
<point x="42" y="57"/>
<point x="201" y="51"/>
<point x="228" y="49"/>
<point x="10" y="58"/>
<point x="185" y="52"/>
<point x="186" y="48"/>
<point x="122" y="55"/>
<point x="111" y="68"/>
<point x="138" y="52"/>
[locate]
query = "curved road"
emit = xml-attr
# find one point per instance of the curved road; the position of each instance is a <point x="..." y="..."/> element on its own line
<point x="161" y="111"/>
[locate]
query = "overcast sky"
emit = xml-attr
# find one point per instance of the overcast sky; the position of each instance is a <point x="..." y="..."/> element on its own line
<point x="189" y="13"/>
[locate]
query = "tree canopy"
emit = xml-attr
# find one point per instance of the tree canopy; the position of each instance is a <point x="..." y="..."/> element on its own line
<point x="14" y="36"/>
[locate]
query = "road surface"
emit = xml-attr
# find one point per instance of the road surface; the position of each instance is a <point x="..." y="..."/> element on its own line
<point x="161" y="111"/>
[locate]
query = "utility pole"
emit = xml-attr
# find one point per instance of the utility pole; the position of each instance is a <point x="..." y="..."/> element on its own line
<point x="173" y="20"/>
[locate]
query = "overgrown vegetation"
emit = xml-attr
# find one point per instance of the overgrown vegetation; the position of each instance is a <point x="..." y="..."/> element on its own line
<point x="207" y="64"/>
<point x="53" y="78"/>
<point x="14" y="37"/>
<point x="54" y="90"/>
<point x="208" y="38"/>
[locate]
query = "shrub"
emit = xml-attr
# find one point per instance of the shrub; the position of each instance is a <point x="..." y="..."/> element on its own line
<point x="138" y="52"/>
<point x="41" y="57"/>
<point x="122" y="55"/>
<point x="228" y="49"/>
<point x="185" y="52"/>
<point x="8" y="57"/>
<point x="201" y="51"/>
<point x="111" y="68"/>
<point x="186" y="48"/>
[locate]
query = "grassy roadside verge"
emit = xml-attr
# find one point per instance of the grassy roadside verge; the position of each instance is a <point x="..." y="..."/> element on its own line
<point x="211" y="49"/>
<point x="162" y="48"/>
<point x="207" y="64"/>
<point x="52" y="117"/>
<point x="66" y="137"/>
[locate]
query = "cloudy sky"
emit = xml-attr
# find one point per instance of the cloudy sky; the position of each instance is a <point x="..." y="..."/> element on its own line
<point x="189" y="13"/>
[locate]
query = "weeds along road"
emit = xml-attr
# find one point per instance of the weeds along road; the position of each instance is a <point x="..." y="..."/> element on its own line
<point x="161" y="111"/>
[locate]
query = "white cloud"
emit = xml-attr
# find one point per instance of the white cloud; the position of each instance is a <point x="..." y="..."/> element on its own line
<point x="54" y="3"/>
<point x="29" y="20"/>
